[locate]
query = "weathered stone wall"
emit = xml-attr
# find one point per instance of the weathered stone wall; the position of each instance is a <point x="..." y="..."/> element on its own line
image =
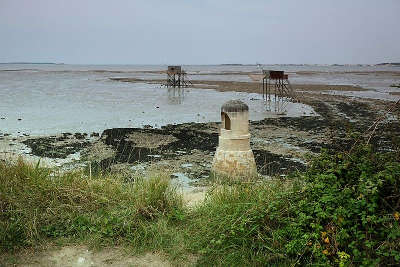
<point x="234" y="163"/>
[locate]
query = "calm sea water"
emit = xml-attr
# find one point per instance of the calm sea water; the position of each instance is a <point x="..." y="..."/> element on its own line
<point x="40" y="99"/>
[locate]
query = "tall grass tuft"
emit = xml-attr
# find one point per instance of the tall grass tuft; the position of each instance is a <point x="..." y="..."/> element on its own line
<point x="38" y="203"/>
<point x="239" y="224"/>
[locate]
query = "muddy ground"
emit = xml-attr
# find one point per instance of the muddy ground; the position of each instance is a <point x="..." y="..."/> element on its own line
<point x="250" y="87"/>
<point x="280" y="145"/>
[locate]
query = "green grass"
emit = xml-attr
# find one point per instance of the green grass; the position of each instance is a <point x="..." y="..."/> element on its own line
<point x="37" y="204"/>
<point x="343" y="211"/>
<point x="238" y="224"/>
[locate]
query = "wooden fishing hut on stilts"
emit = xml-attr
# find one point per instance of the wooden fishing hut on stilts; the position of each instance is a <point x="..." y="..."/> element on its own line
<point x="276" y="85"/>
<point x="177" y="77"/>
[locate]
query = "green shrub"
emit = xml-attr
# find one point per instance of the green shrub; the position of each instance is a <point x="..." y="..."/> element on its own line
<point x="344" y="210"/>
<point x="348" y="210"/>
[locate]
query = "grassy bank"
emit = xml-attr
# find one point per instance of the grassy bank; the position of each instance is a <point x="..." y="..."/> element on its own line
<point x="344" y="210"/>
<point x="37" y="204"/>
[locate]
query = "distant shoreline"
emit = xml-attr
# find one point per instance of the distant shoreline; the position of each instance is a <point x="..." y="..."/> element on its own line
<point x="397" y="64"/>
<point x="394" y="64"/>
<point x="30" y="63"/>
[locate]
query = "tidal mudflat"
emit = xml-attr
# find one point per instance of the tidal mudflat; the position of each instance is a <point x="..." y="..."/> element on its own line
<point x="123" y="119"/>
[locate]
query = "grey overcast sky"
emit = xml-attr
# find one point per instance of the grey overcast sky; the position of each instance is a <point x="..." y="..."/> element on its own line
<point x="200" y="31"/>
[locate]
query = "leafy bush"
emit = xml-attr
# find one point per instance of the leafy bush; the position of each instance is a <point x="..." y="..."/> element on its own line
<point x="348" y="210"/>
<point x="344" y="210"/>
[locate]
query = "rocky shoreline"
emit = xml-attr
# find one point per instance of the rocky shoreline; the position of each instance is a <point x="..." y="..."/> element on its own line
<point x="281" y="145"/>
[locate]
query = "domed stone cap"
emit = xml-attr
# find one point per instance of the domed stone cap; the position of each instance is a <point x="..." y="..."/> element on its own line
<point x="234" y="106"/>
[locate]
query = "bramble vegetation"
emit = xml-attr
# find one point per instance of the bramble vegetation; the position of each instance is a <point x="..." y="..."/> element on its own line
<point x="348" y="210"/>
<point x="343" y="211"/>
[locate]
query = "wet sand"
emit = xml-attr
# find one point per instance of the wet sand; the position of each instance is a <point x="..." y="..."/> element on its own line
<point x="280" y="145"/>
<point x="185" y="150"/>
<point x="248" y="87"/>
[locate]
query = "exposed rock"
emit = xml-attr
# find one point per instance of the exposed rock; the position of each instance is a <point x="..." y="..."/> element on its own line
<point x="55" y="147"/>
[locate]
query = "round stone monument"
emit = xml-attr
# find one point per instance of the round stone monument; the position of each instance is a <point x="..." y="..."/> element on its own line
<point x="234" y="156"/>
